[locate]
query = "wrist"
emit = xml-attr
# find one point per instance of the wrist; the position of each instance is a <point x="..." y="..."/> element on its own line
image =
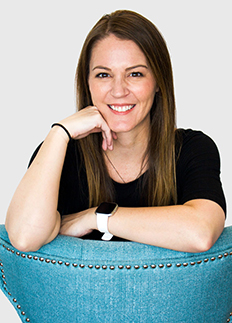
<point x="104" y="211"/>
<point x="58" y="131"/>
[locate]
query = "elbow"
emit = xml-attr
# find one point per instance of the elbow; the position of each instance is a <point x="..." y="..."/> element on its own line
<point x="22" y="244"/>
<point x="204" y="245"/>
<point x="204" y="242"/>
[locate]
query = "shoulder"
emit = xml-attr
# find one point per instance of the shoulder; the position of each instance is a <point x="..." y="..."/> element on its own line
<point x="194" y="141"/>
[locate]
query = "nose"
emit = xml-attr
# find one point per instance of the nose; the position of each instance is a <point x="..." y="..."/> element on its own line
<point x="119" y="88"/>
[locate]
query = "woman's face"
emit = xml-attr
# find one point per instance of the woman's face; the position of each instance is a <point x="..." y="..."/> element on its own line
<point x="121" y="84"/>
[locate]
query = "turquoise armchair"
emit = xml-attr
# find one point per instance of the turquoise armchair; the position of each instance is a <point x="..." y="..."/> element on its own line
<point x="73" y="280"/>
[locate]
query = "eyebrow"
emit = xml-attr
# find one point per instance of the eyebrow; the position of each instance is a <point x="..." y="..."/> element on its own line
<point x="127" y="69"/>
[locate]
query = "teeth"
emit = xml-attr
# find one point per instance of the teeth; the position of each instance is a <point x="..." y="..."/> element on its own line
<point x="121" y="108"/>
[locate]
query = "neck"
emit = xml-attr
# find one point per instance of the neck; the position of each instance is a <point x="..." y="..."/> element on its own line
<point x="132" y="141"/>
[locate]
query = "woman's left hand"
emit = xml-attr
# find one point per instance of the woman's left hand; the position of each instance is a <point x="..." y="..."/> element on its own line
<point x="79" y="224"/>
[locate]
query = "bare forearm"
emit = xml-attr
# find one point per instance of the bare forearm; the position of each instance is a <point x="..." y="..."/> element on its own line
<point x="182" y="227"/>
<point x="32" y="214"/>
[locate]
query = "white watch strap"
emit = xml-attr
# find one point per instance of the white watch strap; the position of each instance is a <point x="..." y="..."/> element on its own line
<point x="102" y="224"/>
<point x="107" y="236"/>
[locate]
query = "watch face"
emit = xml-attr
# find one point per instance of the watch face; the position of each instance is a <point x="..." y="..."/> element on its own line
<point x="106" y="208"/>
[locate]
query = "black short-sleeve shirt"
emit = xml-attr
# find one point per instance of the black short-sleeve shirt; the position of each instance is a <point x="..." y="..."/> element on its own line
<point x="197" y="176"/>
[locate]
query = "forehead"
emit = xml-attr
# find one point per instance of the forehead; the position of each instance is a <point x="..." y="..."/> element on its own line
<point x="113" y="50"/>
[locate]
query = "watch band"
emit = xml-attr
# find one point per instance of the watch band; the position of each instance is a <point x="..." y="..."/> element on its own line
<point x="102" y="224"/>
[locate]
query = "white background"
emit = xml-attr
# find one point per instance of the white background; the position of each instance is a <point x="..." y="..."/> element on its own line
<point x="40" y="45"/>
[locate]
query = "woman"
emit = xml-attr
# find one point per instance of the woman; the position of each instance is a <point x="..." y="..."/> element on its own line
<point x="122" y="146"/>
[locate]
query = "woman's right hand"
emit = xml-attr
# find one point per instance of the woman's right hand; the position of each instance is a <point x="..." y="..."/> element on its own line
<point x="86" y="121"/>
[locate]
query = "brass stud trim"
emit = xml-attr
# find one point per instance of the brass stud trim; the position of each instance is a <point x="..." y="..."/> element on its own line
<point x="120" y="267"/>
<point x="90" y="266"/>
<point x="128" y="267"/>
<point x="105" y="267"/>
<point x="136" y="267"/>
<point x="111" y="267"/>
<point x="161" y="266"/>
<point x="97" y="267"/>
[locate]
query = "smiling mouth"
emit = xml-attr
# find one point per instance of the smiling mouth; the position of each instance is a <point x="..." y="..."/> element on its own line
<point x="123" y="108"/>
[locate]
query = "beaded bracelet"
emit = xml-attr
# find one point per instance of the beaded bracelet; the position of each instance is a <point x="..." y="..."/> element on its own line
<point x="60" y="125"/>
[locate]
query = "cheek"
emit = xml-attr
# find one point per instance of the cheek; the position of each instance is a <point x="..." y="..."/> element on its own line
<point x="147" y="94"/>
<point x="97" y="92"/>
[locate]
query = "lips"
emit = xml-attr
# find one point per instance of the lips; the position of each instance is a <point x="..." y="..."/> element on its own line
<point x="121" y="108"/>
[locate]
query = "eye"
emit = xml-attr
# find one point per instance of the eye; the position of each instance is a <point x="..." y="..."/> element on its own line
<point x="102" y="75"/>
<point x="136" y="74"/>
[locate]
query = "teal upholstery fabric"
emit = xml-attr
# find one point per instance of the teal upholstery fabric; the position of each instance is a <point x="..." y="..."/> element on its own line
<point x="72" y="280"/>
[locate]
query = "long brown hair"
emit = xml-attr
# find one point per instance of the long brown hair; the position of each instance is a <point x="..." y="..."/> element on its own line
<point x="160" y="179"/>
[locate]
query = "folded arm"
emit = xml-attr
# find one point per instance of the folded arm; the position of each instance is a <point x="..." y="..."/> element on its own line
<point x="192" y="227"/>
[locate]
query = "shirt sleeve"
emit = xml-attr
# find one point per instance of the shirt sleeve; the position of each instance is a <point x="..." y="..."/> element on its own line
<point x="198" y="170"/>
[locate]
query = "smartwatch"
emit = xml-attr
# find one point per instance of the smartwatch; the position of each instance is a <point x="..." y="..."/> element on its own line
<point x="103" y="212"/>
